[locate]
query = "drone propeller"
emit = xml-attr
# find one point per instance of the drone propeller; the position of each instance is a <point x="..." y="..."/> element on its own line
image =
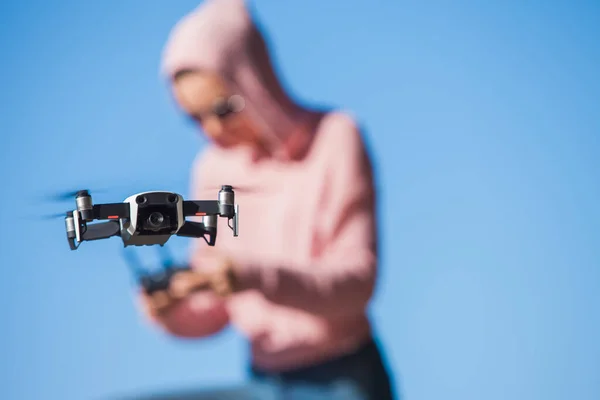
<point x="68" y="194"/>
<point x="240" y="189"/>
<point x="118" y="192"/>
<point x="55" y="215"/>
<point x="121" y="191"/>
<point x="45" y="217"/>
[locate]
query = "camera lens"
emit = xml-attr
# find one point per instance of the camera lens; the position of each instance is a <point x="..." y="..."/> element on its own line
<point x="140" y="199"/>
<point x="172" y="198"/>
<point x="155" y="219"/>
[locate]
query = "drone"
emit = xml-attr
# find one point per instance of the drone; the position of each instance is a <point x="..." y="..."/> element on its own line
<point x="150" y="218"/>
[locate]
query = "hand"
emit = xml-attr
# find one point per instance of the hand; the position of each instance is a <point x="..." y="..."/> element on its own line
<point x="154" y="305"/>
<point x="184" y="283"/>
<point x="220" y="278"/>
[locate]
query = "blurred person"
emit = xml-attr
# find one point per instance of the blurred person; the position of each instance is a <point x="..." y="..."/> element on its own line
<point x="298" y="279"/>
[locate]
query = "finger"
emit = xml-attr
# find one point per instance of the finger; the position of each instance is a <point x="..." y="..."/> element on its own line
<point x="179" y="287"/>
<point x="151" y="313"/>
<point x="220" y="285"/>
<point x="183" y="285"/>
<point x="160" y="301"/>
<point x="179" y="290"/>
<point x="198" y="280"/>
<point x="147" y="309"/>
<point x="222" y="290"/>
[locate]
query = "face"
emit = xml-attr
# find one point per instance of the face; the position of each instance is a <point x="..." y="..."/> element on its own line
<point x="205" y="97"/>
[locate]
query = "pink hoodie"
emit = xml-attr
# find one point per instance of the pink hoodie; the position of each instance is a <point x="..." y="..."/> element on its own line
<point x="307" y="249"/>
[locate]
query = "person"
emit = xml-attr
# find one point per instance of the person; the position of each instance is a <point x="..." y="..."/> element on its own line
<point x="298" y="279"/>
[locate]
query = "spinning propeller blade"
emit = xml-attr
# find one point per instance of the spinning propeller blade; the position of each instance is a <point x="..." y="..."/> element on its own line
<point x="68" y="195"/>
<point x="45" y="217"/>
<point x="54" y="216"/>
<point x="117" y="192"/>
<point x="240" y="189"/>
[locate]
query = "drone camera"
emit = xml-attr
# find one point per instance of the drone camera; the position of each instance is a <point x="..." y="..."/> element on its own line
<point x="157" y="213"/>
<point x="156" y="221"/>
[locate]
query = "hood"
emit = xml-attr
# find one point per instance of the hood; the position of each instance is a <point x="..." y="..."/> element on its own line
<point x="221" y="36"/>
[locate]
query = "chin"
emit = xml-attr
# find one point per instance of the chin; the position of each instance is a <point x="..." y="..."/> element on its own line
<point x="229" y="145"/>
<point x="233" y="143"/>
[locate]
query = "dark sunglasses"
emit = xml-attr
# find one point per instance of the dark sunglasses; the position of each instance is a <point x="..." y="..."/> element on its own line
<point x="222" y="108"/>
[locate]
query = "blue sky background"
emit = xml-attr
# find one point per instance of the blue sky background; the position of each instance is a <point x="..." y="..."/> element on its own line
<point x="484" y="118"/>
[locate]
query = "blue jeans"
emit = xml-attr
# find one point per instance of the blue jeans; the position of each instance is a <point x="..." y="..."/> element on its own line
<point x="361" y="375"/>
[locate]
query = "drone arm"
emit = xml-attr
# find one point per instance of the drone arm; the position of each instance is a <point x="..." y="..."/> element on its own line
<point x="196" y="208"/>
<point x="197" y="230"/>
<point x="111" y="211"/>
<point x="102" y="230"/>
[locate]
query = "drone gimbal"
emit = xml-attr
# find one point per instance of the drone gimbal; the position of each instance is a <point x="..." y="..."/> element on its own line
<point x="150" y="218"/>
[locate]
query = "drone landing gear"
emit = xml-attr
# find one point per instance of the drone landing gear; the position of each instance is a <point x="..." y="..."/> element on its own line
<point x="199" y="229"/>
